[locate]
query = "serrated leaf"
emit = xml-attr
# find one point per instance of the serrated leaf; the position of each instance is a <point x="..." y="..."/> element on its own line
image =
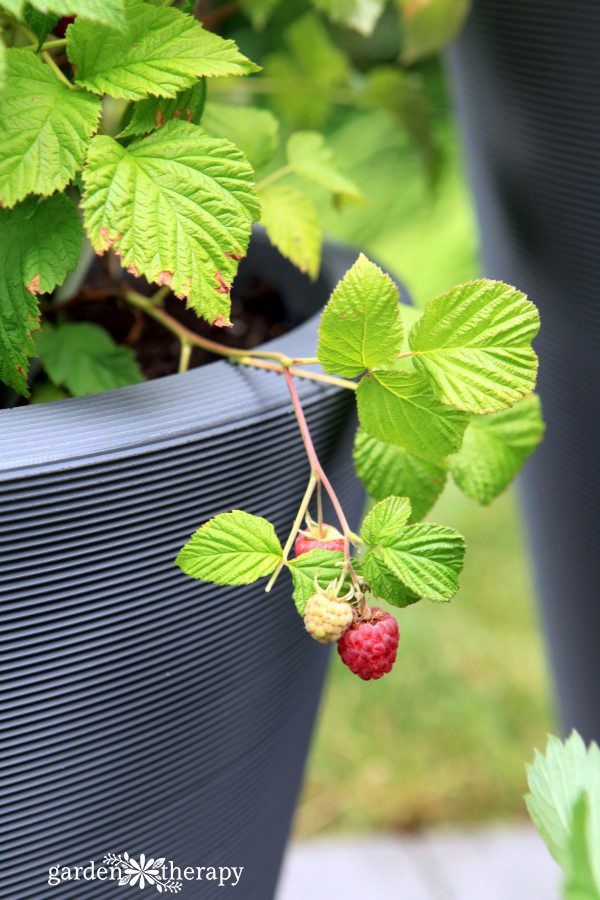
<point x="399" y="408"/>
<point x="154" y="112"/>
<point x="385" y="520"/>
<point x="426" y="558"/>
<point x="361" y="325"/>
<point x="232" y="548"/>
<point x="556" y="781"/>
<point x="495" y="447"/>
<point x="385" y="469"/>
<point x="428" y="25"/>
<point x="307" y="73"/>
<point x="320" y="564"/>
<point x="361" y="15"/>
<point x="311" y="158"/>
<point x="162" y="51"/>
<point x="384" y="584"/>
<point x="109" y="12"/>
<point x="2" y="64"/>
<point x="474" y="343"/>
<point x="45" y="129"/>
<point x="84" y="358"/>
<point x="259" y="11"/>
<point x="254" y="131"/>
<point x="40" y="242"/>
<point x="293" y="226"/>
<point x="41" y="23"/>
<point x="177" y="206"/>
<point x="579" y="881"/>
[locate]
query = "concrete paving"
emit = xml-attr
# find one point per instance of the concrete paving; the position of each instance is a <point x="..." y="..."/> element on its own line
<point x="484" y="864"/>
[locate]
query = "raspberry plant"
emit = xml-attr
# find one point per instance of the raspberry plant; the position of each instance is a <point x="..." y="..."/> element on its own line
<point x="108" y="141"/>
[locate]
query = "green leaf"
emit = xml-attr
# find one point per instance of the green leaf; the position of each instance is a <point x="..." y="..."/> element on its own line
<point x="40" y="241"/>
<point x="361" y="326"/>
<point x="110" y="12"/>
<point x="232" y="548"/>
<point x="2" y="63"/>
<point x="41" y="23"/>
<point x="324" y="565"/>
<point x="161" y="52"/>
<point x="311" y="158"/>
<point x="359" y="14"/>
<point x="495" y="448"/>
<point x="259" y="11"/>
<point x="384" y="585"/>
<point x="254" y="131"/>
<point x="307" y="73"/>
<point x="47" y="393"/>
<point x="385" y="469"/>
<point x="177" y="206"/>
<point x="474" y="343"/>
<point x="84" y="358"/>
<point x="556" y="782"/>
<point x="45" y="129"/>
<point x="292" y="223"/>
<point x="153" y="112"/>
<point x="386" y="520"/>
<point x="399" y="408"/>
<point x="426" y="558"/>
<point x="428" y="25"/>
<point x="579" y="882"/>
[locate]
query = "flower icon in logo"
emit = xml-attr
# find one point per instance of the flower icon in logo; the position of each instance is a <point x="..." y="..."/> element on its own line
<point x="142" y="873"/>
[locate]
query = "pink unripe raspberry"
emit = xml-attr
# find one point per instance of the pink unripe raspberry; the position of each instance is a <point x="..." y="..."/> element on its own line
<point x="326" y="617"/>
<point x="327" y="537"/>
<point x="369" y="648"/>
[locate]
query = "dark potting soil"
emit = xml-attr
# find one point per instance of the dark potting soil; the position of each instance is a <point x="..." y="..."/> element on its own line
<point x="257" y="315"/>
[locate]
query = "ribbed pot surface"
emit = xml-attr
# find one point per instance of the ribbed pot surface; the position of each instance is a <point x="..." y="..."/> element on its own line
<point x="527" y="83"/>
<point x="143" y="711"/>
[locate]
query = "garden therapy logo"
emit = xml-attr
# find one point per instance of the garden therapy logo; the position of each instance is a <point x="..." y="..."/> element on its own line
<point x="165" y="876"/>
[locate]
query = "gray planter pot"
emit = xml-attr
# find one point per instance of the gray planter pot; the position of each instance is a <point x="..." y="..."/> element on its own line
<point x="143" y="711"/>
<point x="526" y="78"/>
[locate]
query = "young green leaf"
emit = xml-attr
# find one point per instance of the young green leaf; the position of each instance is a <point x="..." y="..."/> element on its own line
<point x="361" y="325"/>
<point x="153" y="112"/>
<point x="556" y="782"/>
<point x="320" y="564"/>
<point x="426" y="558"/>
<point x="309" y="156"/>
<point x="84" y="358"/>
<point x="495" y="448"/>
<point x="109" y="12"/>
<point x="386" y="520"/>
<point x="231" y="548"/>
<point x="45" y="129"/>
<point x="177" y="206"/>
<point x="384" y="585"/>
<point x="161" y="52"/>
<point x="399" y="408"/>
<point x="254" y="131"/>
<point x="292" y="223"/>
<point x="361" y="15"/>
<point x="385" y="469"/>
<point x="474" y="343"/>
<point x="40" y="241"/>
<point x="580" y="883"/>
<point x="428" y="25"/>
<point x="41" y="23"/>
<point x="307" y="73"/>
<point x="259" y="11"/>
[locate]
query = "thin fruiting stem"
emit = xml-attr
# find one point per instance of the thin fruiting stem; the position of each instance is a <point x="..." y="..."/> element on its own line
<point x="317" y="468"/>
<point x="257" y="358"/>
<point x="320" y="509"/>
<point x="274" y="176"/>
<point x="54" y="44"/>
<point x="184" y="356"/>
<point x="60" y="75"/>
<point x="295" y="528"/>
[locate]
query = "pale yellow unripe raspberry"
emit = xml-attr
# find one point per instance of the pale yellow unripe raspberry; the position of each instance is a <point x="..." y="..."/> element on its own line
<point x="326" y="617"/>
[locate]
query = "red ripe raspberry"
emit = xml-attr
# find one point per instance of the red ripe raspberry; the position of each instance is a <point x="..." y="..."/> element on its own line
<point x="369" y="648"/>
<point x="62" y="25"/>
<point x="328" y="537"/>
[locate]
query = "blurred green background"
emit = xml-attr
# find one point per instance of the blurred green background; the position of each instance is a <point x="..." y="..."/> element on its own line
<point x="444" y="738"/>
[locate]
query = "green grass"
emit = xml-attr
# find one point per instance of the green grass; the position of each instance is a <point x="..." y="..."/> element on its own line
<point x="444" y="738"/>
